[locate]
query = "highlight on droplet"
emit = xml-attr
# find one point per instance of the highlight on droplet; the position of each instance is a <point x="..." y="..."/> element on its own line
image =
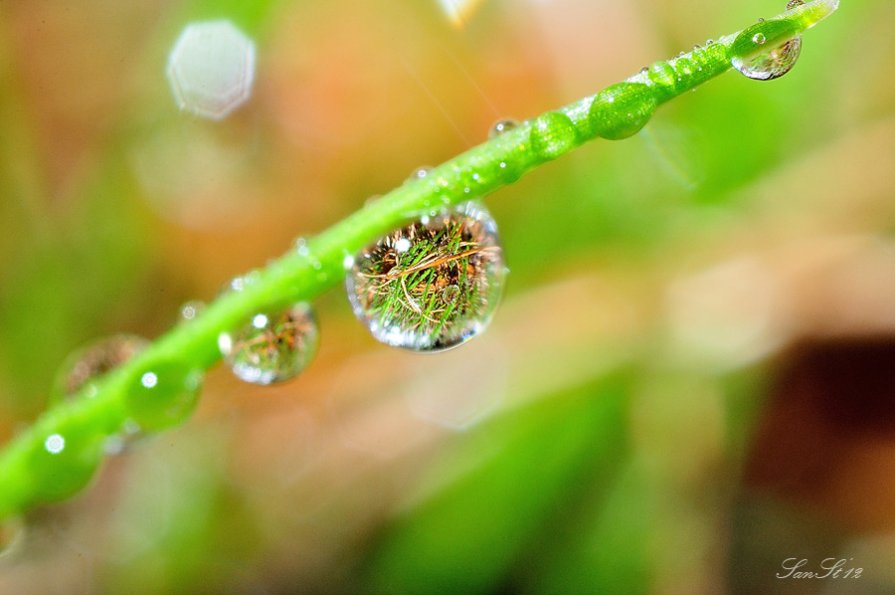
<point x="211" y="69"/>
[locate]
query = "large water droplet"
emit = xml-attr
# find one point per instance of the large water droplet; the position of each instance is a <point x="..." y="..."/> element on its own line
<point x="433" y="284"/>
<point x="163" y="394"/>
<point x="502" y="126"/>
<point x="87" y="364"/>
<point x="766" y="51"/>
<point x="621" y="110"/>
<point x="272" y="346"/>
<point x="553" y="134"/>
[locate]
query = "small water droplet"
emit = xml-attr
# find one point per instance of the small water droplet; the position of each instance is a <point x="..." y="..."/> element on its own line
<point x="684" y="68"/>
<point x="644" y="70"/>
<point x="793" y="3"/>
<point x="275" y="351"/>
<point x="553" y="134"/>
<point x="163" y="394"/>
<point x="663" y="78"/>
<point x="420" y="173"/>
<point x="760" y="20"/>
<point x="347" y="262"/>
<point x="502" y="126"/>
<point x="404" y="298"/>
<point x="621" y="110"/>
<point x="191" y="310"/>
<point x="766" y="51"/>
<point x="242" y="282"/>
<point x="710" y="42"/>
<point x="301" y="246"/>
<point x="86" y="365"/>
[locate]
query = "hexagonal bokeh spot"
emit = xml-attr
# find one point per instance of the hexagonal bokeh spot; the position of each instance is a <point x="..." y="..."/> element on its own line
<point x="211" y="69"/>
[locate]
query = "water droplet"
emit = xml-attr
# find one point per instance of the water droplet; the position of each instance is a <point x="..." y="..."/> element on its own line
<point x="88" y="364"/>
<point x="450" y="293"/>
<point x="502" y="126"/>
<point x="766" y="51"/>
<point x="621" y="110"/>
<point x="63" y="460"/>
<point x="211" y="69"/>
<point x="301" y="246"/>
<point x="273" y="347"/>
<point x="347" y="262"/>
<point x="12" y="534"/>
<point x="663" y="78"/>
<point x="684" y="68"/>
<point x="420" y="173"/>
<point x="709" y="42"/>
<point x="793" y="3"/>
<point x="191" y="310"/>
<point x="405" y="298"/>
<point x="163" y="394"/>
<point x="553" y="134"/>
<point x="242" y="282"/>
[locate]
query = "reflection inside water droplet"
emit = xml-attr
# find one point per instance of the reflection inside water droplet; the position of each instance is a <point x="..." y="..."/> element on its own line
<point x="273" y="346"/>
<point x="86" y="365"/>
<point x="433" y="284"/>
<point x="766" y="51"/>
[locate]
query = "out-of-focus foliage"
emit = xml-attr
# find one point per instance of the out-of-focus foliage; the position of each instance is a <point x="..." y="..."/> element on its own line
<point x="609" y="433"/>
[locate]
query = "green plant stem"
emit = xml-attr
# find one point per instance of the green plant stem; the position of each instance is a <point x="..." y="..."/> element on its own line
<point x="303" y="274"/>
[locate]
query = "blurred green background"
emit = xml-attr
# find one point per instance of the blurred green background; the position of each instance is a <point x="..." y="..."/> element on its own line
<point x="691" y="377"/>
